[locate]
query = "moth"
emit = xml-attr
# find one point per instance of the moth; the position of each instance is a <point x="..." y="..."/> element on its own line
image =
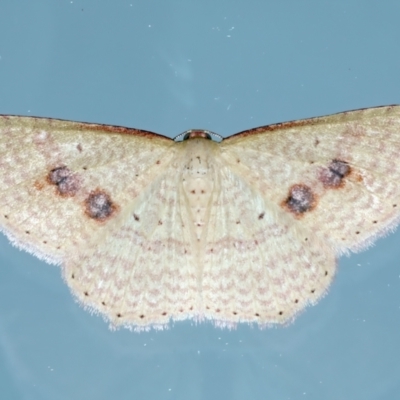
<point x="245" y="229"/>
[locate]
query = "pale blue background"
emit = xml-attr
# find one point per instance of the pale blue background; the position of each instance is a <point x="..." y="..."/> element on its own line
<point x="167" y="66"/>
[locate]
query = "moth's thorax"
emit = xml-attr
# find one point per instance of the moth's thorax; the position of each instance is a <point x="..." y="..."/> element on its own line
<point x="198" y="181"/>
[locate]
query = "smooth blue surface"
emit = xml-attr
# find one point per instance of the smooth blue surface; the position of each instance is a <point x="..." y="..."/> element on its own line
<point x="167" y="66"/>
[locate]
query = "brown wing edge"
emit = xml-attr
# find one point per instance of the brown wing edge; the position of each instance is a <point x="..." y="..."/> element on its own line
<point x="347" y="115"/>
<point x="92" y="126"/>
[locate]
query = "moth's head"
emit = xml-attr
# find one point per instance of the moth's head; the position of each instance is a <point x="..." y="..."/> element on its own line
<point x="198" y="134"/>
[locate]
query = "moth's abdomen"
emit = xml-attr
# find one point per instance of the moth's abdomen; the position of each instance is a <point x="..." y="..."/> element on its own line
<point x="198" y="182"/>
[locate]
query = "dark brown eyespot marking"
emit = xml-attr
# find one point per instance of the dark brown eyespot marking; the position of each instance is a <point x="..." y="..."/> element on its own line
<point x="261" y="216"/>
<point x="136" y="217"/>
<point x="164" y="313"/>
<point x="334" y="176"/>
<point x="65" y="180"/>
<point x="280" y="312"/>
<point x="86" y="293"/>
<point x="103" y="302"/>
<point x="99" y="205"/>
<point x="300" y="200"/>
<point x="142" y="316"/>
<point x="119" y="315"/>
<point x="296" y="301"/>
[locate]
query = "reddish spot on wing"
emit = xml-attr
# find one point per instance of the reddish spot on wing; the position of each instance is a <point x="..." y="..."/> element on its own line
<point x="300" y="200"/>
<point x="99" y="206"/>
<point x="66" y="182"/>
<point x="334" y="175"/>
